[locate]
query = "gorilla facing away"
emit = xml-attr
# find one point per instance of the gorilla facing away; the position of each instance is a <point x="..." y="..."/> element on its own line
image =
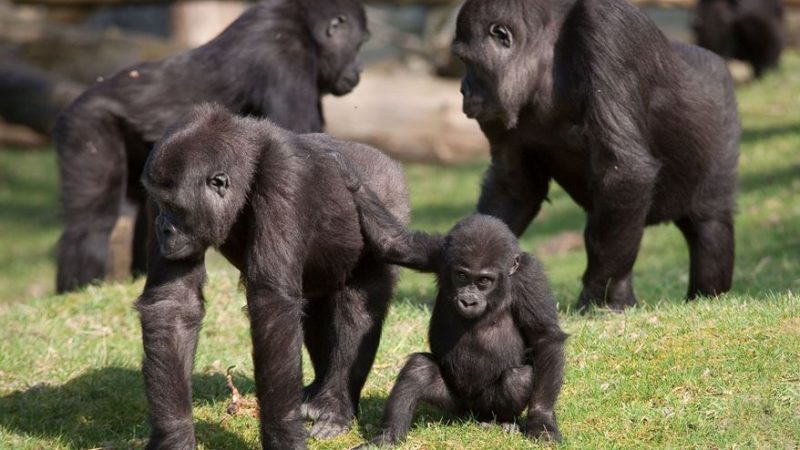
<point x="275" y="206"/>
<point x="496" y="345"/>
<point x="747" y="30"/>
<point x="276" y="60"/>
<point x="637" y="131"/>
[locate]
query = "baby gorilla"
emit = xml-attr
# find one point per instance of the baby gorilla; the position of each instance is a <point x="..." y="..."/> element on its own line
<point x="496" y="345"/>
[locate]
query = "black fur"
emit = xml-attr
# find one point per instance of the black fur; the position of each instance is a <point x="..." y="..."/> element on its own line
<point x="275" y="205"/>
<point x="748" y="30"/>
<point x="276" y="60"/>
<point x="638" y="131"/>
<point x="496" y="345"/>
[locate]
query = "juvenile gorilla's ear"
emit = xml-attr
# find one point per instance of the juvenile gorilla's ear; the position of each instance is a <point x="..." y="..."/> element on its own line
<point x="515" y="266"/>
<point x="219" y="183"/>
<point x="335" y="24"/>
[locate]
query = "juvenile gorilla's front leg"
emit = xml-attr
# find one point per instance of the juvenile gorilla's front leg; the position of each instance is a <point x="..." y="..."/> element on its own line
<point x="357" y="317"/>
<point x="275" y="326"/>
<point x="171" y="311"/>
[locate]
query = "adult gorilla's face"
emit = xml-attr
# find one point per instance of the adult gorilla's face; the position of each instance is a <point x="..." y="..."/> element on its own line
<point x="339" y="38"/>
<point x="504" y="47"/>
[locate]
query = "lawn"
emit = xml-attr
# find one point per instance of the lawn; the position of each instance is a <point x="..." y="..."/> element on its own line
<point x="716" y="373"/>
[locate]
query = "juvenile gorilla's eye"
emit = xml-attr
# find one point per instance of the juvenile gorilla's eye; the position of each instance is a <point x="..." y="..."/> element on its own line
<point x="501" y="33"/>
<point x="461" y="276"/>
<point x="484" y="282"/>
<point x="219" y="182"/>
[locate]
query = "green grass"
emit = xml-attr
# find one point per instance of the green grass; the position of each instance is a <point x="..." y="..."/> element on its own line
<point x="722" y="373"/>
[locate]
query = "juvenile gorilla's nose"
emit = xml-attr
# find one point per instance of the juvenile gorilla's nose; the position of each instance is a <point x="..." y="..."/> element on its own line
<point x="467" y="303"/>
<point x="165" y="226"/>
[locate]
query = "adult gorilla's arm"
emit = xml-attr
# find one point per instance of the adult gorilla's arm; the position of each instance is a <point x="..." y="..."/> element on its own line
<point x="514" y="186"/>
<point x="171" y="311"/>
<point x="535" y="313"/>
<point x="393" y="242"/>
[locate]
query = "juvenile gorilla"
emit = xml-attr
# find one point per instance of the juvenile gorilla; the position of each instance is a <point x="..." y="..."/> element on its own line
<point x="748" y="30"/>
<point x="275" y="206"/>
<point x="637" y="131"/>
<point x="496" y="345"/>
<point x="276" y="60"/>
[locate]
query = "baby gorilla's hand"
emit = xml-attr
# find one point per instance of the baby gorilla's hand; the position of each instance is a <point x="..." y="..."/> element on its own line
<point x="350" y="175"/>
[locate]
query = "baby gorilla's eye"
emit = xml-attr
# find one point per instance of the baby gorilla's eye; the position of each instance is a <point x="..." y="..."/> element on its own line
<point x="484" y="282"/>
<point x="461" y="276"/>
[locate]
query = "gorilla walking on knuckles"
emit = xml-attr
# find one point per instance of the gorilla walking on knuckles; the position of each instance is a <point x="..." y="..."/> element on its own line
<point x="275" y="206"/>
<point x="496" y="345"/>
<point x="276" y="60"/>
<point x="637" y="131"/>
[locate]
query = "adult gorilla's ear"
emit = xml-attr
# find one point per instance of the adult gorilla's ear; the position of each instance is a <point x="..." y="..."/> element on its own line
<point x="515" y="266"/>
<point x="219" y="183"/>
<point x="335" y="24"/>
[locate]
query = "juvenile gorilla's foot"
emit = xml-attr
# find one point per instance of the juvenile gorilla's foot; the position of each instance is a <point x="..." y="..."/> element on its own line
<point x="542" y="426"/>
<point x="386" y="439"/>
<point x="329" y="418"/>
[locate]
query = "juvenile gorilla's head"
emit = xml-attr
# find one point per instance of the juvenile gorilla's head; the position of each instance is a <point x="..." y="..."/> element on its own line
<point x="340" y="29"/>
<point x="481" y="253"/>
<point x="713" y="26"/>
<point x="506" y="47"/>
<point x="199" y="176"/>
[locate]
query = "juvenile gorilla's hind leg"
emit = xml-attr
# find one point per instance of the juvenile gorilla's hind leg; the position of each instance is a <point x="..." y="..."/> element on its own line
<point x="711" y="253"/>
<point x="92" y="169"/>
<point x="357" y="314"/>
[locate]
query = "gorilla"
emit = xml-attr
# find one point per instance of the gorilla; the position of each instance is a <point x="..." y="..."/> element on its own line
<point x="496" y="345"/>
<point x="274" y="204"/>
<point x="637" y="131"/>
<point x="275" y="60"/>
<point x="748" y="30"/>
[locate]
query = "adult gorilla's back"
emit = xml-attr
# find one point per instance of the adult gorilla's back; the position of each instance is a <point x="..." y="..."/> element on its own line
<point x="276" y="60"/>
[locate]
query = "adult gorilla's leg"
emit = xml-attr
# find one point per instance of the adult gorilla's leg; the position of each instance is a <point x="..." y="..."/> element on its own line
<point x="358" y="313"/>
<point x="92" y="168"/>
<point x="171" y="311"/>
<point x="711" y="253"/>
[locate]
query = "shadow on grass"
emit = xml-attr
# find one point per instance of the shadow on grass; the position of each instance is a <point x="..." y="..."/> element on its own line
<point x="106" y="408"/>
<point x="757" y="181"/>
<point x="371" y="412"/>
<point x="750" y="135"/>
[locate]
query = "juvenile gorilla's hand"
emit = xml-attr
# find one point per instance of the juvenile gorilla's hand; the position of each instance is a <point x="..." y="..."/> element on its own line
<point x="350" y="175"/>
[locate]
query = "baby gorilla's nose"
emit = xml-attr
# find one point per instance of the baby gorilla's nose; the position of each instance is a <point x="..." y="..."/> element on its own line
<point x="165" y="227"/>
<point x="467" y="302"/>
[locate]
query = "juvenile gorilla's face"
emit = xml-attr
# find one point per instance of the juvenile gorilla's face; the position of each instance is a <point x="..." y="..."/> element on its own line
<point x="198" y="177"/>
<point x="504" y="55"/>
<point x="473" y="286"/>
<point x="339" y="38"/>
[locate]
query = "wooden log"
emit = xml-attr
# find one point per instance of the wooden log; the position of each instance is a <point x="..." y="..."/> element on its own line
<point x="412" y="117"/>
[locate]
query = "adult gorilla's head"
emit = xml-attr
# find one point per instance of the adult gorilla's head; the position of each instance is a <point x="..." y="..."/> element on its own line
<point x="506" y="48"/>
<point x="339" y="28"/>
<point x="480" y="254"/>
<point x="199" y="176"/>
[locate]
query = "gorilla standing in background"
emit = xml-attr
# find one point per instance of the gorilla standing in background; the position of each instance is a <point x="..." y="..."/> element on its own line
<point x="276" y="207"/>
<point x="748" y="30"/>
<point x="276" y="60"/>
<point x="637" y="131"/>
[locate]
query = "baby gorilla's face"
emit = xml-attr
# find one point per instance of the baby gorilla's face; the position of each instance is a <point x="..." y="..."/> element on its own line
<point x="472" y="289"/>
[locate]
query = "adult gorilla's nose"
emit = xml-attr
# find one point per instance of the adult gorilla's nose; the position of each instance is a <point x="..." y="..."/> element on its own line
<point x="165" y="227"/>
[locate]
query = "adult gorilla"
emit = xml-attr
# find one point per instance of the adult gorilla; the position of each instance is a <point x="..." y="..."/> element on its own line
<point x="638" y="131"/>
<point x="276" y="60"/>
<point x="276" y="207"/>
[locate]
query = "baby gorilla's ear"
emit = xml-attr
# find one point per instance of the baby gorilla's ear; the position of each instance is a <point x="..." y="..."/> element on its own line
<point x="515" y="266"/>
